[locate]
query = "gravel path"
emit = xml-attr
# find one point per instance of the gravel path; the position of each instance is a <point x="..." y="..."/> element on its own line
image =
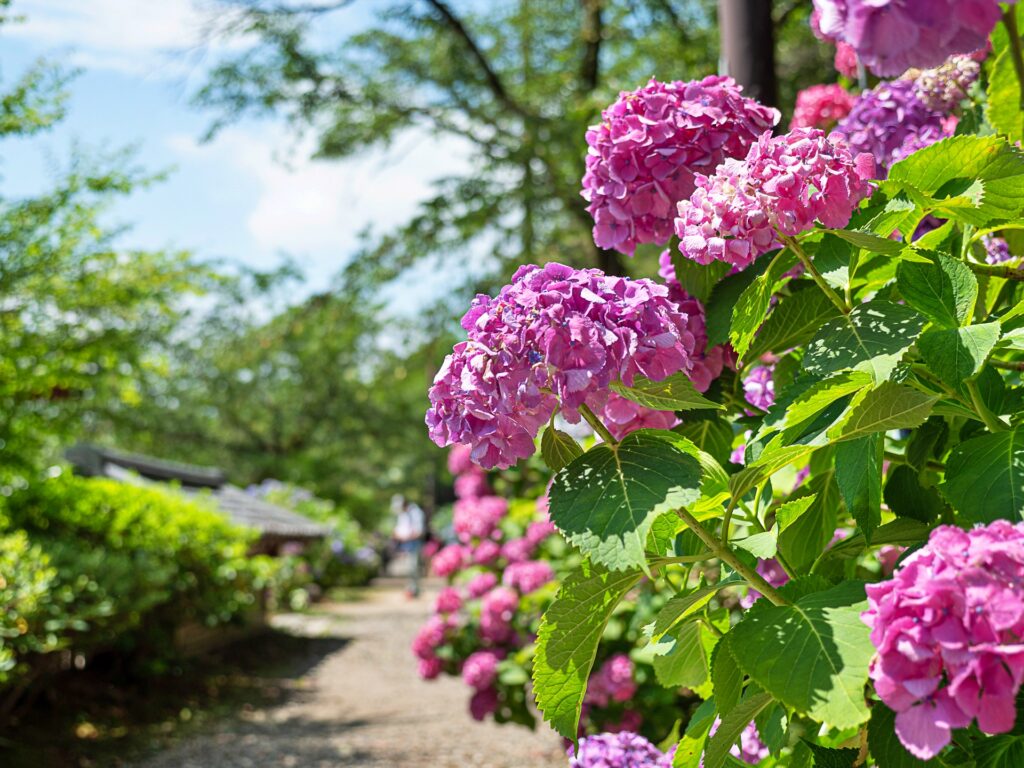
<point x="361" y="704"/>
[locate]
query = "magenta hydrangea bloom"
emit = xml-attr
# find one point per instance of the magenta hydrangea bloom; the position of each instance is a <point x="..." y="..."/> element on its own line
<point x="759" y="387"/>
<point x="480" y="669"/>
<point x="459" y="461"/>
<point x="478" y="518"/>
<point x="785" y="184"/>
<point x="430" y="636"/>
<point x="518" y="550"/>
<point x="821" y="106"/>
<point x="481" y="584"/>
<point x="555" y="337"/>
<point x="645" y="152"/>
<point x="448" y="601"/>
<point x="612" y="682"/>
<point x="486" y="552"/>
<point x="772" y="572"/>
<point x="497" y="610"/>
<point x="484" y="703"/>
<point x="622" y="416"/>
<point x="845" y="60"/>
<point x="948" y="631"/>
<point x="891" y="36"/>
<point x="997" y="250"/>
<point x="429" y="669"/>
<point x="449" y="561"/>
<point x="527" y="577"/>
<point x="539" y="530"/>
<point x="622" y="749"/>
<point x="471" y="484"/>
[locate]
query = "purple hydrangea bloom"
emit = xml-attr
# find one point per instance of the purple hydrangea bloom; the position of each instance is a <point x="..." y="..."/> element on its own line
<point x="783" y="186"/>
<point x="648" y="147"/>
<point x="618" y="750"/>
<point x="948" y="630"/>
<point x="997" y="250"/>
<point x="891" y="36"/>
<point x="759" y="387"/>
<point x="554" y="338"/>
<point x="484" y="703"/>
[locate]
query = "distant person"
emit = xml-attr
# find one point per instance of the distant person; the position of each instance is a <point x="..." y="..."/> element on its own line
<point x="409" y="529"/>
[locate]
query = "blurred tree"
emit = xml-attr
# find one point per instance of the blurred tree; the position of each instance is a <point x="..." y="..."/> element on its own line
<point x="518" y="81"/>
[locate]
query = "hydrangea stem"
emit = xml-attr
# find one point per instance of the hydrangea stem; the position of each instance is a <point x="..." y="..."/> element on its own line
<point x="997" y="270"/>
<point x="1008" y="365"/>
<point x="1010" y="20"/>
<point x="992" y="421"/>
<point x="597" y="424"/>
<point x="812" y="270"/>
<point x="727" y="556"/>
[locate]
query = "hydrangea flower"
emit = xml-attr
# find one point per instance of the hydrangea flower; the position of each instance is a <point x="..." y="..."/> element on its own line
<point x="481" y="584"/>
<point x="785" y="184"/>
<point x="997" y="250"/>
<point x="772" y="572"/>
<point x="527" y="577"/>
<point x="448" y="601"/>
<point x="429" y="669"/>
<point x="471" y="484"/>
<point x="821" y="106"/>
<point x="518" y="550"/>
<point x="480" y="669"/>
<point x="845" y="60"/>
<point x="948" y="631"/>
<point x="612" y="682"/>
<point x="449" y="561"/>
<point x="431" y="636"/>
<point x="484" y="703"/>
<point x="759" y="387"/>
<point x="497" y="609"/>
<point x="622" y="416"/>
<point x="623" y="749"/>
<point x="539" y="530"/>
<point x="478" y="518"/>
<point x="891" y="36"/>
<point x="944" y="87"/>
<point x="459" y="461"/>
<point x="555" y="337"/>
<point x="645" y="152"/>
<point x="486" y="552"/>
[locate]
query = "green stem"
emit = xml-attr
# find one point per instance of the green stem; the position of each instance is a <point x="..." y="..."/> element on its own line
<point x="801" y="254"/>
<point x="658" y="561"/>
<point x="899" y="458"/>
<point x="597" y="424"/>
<point x="991" y="420"/>
<point x="727" y="521"/>
<point x="996" y="270"/>
<point x="1008" y="365"/>
<point x="727" y="556"/>
<point x="965" y="243"/>
<point x="1010" y="20"/>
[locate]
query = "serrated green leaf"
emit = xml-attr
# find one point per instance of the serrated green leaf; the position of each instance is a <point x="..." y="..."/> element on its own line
<point x="889" y="406"/>
<point x="907" y="497"/>
<point x="828" y="757"/>
<point x="885" y="745"/>
<point x="732" y="725"/>
<point x="685" y="604"/>
<point x="568" y="638"/>
<point x="869" y="241"/>
<point x="802" y="542"/>
<point x="726" y="677"/>
<point x="698" y="280"/>
<point x="957" y="354"/>
<point x="676" y="393"/>
<point x="691" y="746"/>
<point x="771" y="727"/>
<point x="944" y="290"/>
<point x="813" y="655"/>
<point x="761" y="545"/>
<point x="765" y="466"/>
<point x="686" y="662"/>
<point x="711" y="434"/>
<point x="719" y="308"/>
<point x="558" y="449"/>
<point x="894" y="216"/>
<point x="808" y="404"/>
<point x="752" y="306"/>
<point x="793" y="322"/>
<point x="902" y="532"/>
<point x="872" y="338"/>
<point x="1003" y="751"/>
<point x="1002" y="107"/>
<point x="985" y="477"/>
<point x="859" y="477"/>
<point x="607" y="499"/>
<point x="791" y="511"/>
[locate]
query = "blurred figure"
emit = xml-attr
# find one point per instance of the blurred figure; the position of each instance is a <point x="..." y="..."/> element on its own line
<point x="408" y="534"/>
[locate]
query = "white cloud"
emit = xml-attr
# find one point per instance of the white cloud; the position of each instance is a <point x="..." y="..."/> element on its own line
<point x="315" y="209"/>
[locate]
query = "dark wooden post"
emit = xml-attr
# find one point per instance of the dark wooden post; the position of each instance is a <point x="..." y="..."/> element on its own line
<point x="748" y="47"/>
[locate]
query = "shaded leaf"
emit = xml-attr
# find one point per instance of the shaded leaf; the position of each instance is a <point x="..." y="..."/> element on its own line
<point x="558" y="449"/>
<point x="793" y="322"/>
<point x="985" y="477"/>
<point x="890" y="406"/>
<point x="957" y="354"/>
<point x="944" y="290"/>
<point x="859" y="477"/>
<point x="732" y="725"/>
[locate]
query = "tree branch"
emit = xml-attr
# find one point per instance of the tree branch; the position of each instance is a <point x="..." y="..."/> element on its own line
<point x="593" y="27"/>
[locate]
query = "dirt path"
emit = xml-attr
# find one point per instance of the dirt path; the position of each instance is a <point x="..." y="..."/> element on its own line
<point x="361" y="704"/>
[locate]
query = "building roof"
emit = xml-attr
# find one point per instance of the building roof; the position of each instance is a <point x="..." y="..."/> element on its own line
<point x="242" y="508"/>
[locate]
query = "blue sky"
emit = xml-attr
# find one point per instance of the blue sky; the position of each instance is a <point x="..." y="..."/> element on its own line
<point x="250" y="195"/>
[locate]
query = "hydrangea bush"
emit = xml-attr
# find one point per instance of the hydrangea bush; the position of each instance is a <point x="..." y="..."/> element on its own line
<point x="830" y="512"/>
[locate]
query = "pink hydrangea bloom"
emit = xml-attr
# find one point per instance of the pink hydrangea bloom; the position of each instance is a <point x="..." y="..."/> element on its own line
<point x="497" y="610"/>
<point x="555" y="337"/>
<point x="821" y="106"/>
<point x="612" y="682"/>
<point x="845" y="60"/>
<point x="448" y="601"/>
<point x="622" y="416"/>
<point x="471" y="484"/>
<point x="431" y="635"/>
<point x="784" y="186"/>
<point x="481" y="584"/>
<point x="484" y="703"/>
<point x="478" y="518"/>
<point x="539" y="530"/>
<point x="518" y="550"/>
<point x="480" y="669"/>
<point x="948" y="631"/>
<point x="773" y="573"/>
<point x="891" y="36"/>
<point x="486" y="552"/>
<point x="649" y="145"/>
<point x="888" y="556"/>
<point x="459" y="461"/>
<point x="759" y="387"/>
<point x="449" y="561"/>
<point x="429" y="669"/>
<point x="527" y="577"/>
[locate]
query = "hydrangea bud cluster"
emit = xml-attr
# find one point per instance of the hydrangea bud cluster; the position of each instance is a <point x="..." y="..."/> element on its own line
<point x="944" y="87"/>
<point x="618" y="750"/>
<point x="759" y="387"/>
<point x="947" y="629"/>
<point x="785" y="184"/>
<point x="821" y="106"/>
<point x="645" y="152"/>
<point x="555" y="337"/>
<point x="997" y="250"/>
<point x="612" y="682"/>
<point x="891" y="36"/>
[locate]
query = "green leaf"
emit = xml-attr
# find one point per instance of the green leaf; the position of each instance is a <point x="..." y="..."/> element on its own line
<point x="957" y="354"/>
<point x="985" y="477"/>
<point x="1003" y="104"/>
<point x="567" y="641"/>
<point x="761" y="545"/>
<point x="973" y="179"/>
<point x="813" y="655"/>
<point x="726" y="677"/>
<point x="698" y="280"/>
<point x="691" y="746"/>
<point x="872" y="338"/>
<point x="927" y="441"/>
<point x="752" y="306"/>
<point x="885" y="746"/>
<point x="772" y="725"/>
<point x="732" y="725"/>
<point x="793" y="322"/>
<point x="802" y="542"/>
<point x="765" y="466"/>
<point x="711" y="434"/>
<point x="799" y="404"/>
<point x="687" y="661"/>
<point x="827" y="757"/>
<point x="859" y="477"/>
<point x="791" y="511"/>
<point x="558" y="449"/>
<point x="890" y="406"/>
<point x="685" y="604"/>
<point x="1003" y="751"/>
<point x="902" y="532"/>
<point x="718" y="312"/>
<point x="676" y="393"/>
<point x="907" y="497"/>
<point x="944" y="290"/>
<point x="607" y="499"/>
<point x="868" y="241"/>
